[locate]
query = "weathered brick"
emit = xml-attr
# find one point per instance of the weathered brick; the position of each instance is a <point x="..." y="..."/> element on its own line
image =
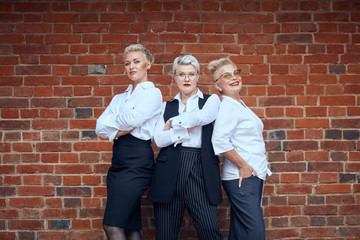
<point x="59" y="224"/>
<point x="351" y="134"/>
<point x="333" y="134"/>
<point x="73" y="191"/>
<point x="277" y="135"/>
<point x="317" y="221"/>
<point x="27" y="235"/>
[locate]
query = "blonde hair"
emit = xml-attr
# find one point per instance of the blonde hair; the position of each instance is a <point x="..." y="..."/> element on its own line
<point x="138" y="48"/>
<point x="214" y="66"/>
<point x="186" y="60"/>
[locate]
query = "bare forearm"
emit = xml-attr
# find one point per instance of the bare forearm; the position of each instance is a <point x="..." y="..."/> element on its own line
<point x="235" y="158"/>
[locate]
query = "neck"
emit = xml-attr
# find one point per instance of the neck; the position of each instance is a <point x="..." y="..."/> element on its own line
<point x="236" y="97"/>
<point x="184" y="97"/>
<point x="135" y="83"/>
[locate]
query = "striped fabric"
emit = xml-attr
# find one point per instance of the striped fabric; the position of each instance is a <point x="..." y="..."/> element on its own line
<point x="189" y="194"/>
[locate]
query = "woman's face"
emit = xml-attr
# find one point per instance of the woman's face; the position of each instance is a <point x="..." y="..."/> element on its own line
<point x="227" y="83"/>
<point x="136" y="66"/>
<point x="186" y="78"/>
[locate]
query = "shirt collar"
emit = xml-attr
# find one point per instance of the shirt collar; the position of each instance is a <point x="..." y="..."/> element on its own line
<point x="229" y="99"/>
<point x="198" y="93"/>
<point x="143" y="85"/>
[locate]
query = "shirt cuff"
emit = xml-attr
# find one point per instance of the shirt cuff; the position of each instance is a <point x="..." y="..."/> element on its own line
<point x="178" y="134"/>
<point x="178" y="122"/>
<point x="112" y="136"/>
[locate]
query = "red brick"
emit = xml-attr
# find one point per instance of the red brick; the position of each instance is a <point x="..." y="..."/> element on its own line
<point x="26" y="224"/>
<point x="312" y="123"/>
<point x="58" y="213"/>
<point x="14" y="125"/>
<point x="9" y="113"/>
<point x="36" y="191"/>
<point x="62" y="38"/>
<point x="352" y="167"/>
<point x="12" y="180"/>
<point x="203" y="48"/>
<point x="294" y="189"/>
<point x="71" y="180"/>
<point x="32" y="70"/>
<point x="80" y="224"/>
<point x="91" y="180"/>
<point x="153" y="16"/>
<point x="93" y="234"/>
<point x="282" y="210"/>
<point x="91" y="202"/>
<point x="92" y="146"/>
<point x="6" y="70"/>
<point x="22" y="147"/>
<point x="32" y="7"/>
<point x="281" y="233"/>
<point x="329" y="178"/>
<point x="317" y="156"/>
<point x="191" y="5"/>
<point x="318" y="232"/>
<point x="60" y="17"/>
<point x="53" y="147"/>
<point x="332" y="188"/>
<point x="80" y="80"/>
<point x="34" y="168"/>
<point x="26" y="202"/>
<point x="255" y="39"/>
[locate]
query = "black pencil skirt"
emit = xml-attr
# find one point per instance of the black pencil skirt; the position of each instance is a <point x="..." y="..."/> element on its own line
<point x="128" y="178"/>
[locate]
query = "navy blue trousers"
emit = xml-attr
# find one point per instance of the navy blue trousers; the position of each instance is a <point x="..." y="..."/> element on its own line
<point x="189" y="194"/>
<point x="246" y="217"/>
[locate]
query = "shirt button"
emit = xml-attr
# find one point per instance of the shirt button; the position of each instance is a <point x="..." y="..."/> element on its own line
<point x="179" y="122"/>
<point x="178" y="137"/>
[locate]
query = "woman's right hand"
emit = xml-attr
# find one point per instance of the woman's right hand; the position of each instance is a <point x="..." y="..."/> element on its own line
<point x="122" y="133"/>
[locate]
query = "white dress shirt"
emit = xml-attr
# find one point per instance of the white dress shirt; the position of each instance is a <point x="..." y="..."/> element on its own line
<point x="138" y="110"/>
<point x="193" y="117"/>
<point x="237" y="127"/>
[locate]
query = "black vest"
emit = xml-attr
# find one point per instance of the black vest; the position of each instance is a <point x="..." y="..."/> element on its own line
<point x="166" y="169"/>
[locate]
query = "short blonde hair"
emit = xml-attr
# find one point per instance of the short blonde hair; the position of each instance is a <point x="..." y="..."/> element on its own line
<point x="186" y="60"/>
<point x="138" y="48"/>
<point x="214" y="66"/>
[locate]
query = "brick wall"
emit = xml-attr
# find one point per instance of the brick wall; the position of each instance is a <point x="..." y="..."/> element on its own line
<point x="61" y="63"/>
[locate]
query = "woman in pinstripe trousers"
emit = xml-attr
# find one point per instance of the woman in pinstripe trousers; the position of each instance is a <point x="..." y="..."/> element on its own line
<point x="186" y="173"/>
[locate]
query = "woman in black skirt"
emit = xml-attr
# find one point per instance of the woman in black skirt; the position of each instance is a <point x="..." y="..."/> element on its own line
<point x="129" y="121"/>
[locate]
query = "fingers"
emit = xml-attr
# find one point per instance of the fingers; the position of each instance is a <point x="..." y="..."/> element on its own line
<point x="255" y="173"/>
<point x="240" y="180"/>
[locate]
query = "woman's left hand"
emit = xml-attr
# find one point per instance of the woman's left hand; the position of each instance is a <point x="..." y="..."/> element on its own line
<point x="245" y="172"/>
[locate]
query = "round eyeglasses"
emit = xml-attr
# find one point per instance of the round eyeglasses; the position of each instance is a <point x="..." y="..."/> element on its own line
<point x="229" y="75"/>
<point x="182" y="76"/>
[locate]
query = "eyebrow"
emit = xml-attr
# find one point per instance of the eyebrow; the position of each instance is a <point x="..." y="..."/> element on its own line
<point x="126" y="61"/>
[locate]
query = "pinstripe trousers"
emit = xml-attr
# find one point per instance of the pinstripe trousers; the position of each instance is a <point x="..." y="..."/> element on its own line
<point x="190" y="194"/>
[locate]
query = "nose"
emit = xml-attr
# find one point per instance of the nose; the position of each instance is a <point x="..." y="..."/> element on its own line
<point x="187" y="78"/>
<point x="131" y="65"/>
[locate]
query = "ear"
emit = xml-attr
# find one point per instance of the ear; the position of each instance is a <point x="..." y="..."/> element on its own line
<point x="216" y="85"/>
<point x="148" y="66"/>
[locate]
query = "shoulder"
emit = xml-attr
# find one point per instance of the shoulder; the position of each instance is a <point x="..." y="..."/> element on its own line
<point x="226" y="105"/>
<point x="118" y="96"/>
<point x="214" y="97"/>
<point x="152" y="90"/>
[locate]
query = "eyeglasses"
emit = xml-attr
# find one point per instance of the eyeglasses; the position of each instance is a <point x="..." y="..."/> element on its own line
<point x="182" y="76"/>
<point x="229" y="75"/>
